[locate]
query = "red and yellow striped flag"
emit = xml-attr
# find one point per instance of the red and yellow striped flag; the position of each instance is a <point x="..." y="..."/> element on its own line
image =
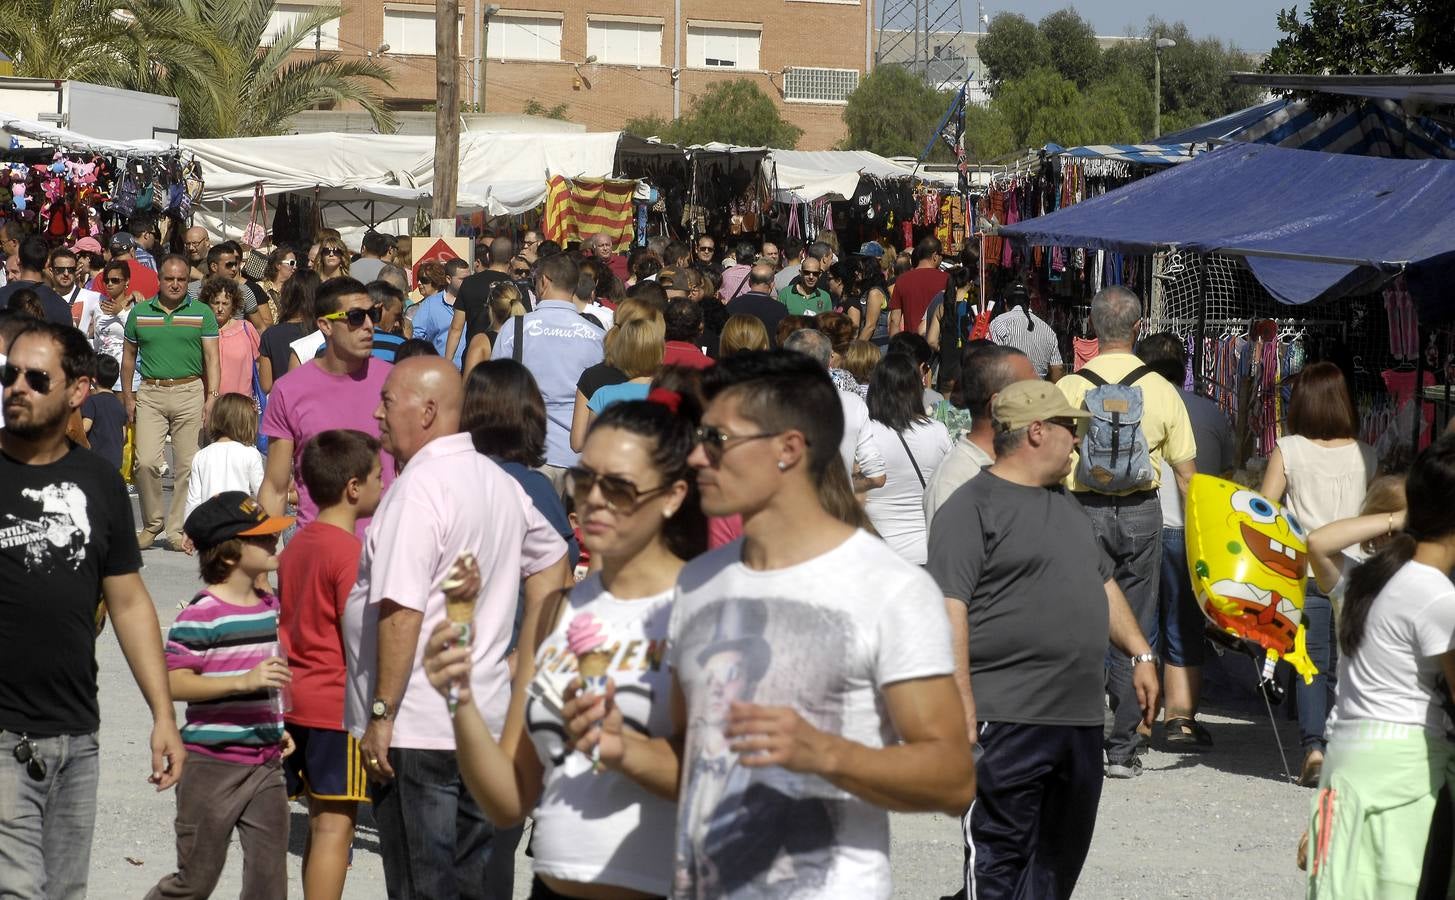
<point x="581" y="207"/>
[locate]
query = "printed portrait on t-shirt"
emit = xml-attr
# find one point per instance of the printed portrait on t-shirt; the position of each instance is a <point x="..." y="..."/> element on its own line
<point x="758" y="833"/>
<point x="55" y="532"/>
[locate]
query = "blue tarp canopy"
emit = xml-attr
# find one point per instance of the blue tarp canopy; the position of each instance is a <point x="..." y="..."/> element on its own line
<point x="1163" y="154"/>
<point x="1310" y="224"/>
<point x="1375" y="127"/>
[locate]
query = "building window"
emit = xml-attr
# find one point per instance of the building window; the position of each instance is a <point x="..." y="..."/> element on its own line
<point x="514" y="36"/>
<point x="722" y="46"/>
<point x="624" y="43"/>
<point x="819" y="85"/>
<point x="411" y="31"/>
<point x="286" y="15"/>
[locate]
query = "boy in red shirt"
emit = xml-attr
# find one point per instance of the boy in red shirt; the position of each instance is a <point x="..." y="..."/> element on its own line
<point x="316" y="571"/>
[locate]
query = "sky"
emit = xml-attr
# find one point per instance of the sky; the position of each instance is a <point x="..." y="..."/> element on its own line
<point x="1248" y="24"/>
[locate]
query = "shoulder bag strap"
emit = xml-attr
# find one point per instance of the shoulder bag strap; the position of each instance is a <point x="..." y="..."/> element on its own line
<point x="517" y="352"/>
<point x="912" y="461"/>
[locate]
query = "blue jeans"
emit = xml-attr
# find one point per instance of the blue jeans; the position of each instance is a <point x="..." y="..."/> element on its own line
<point x="46" y="823"/>
<point x="1178" y="633"/>
<point x="435" y="841"/>
<point x="1314" y="700"/>
<point x="1129" y="531"/>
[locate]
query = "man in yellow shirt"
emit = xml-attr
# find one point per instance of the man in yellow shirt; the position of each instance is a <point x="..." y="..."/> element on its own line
<point x="1128" y="523"/>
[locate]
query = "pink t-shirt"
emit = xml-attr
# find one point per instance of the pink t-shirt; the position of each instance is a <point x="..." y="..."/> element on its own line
<point x="237" y="349"/>
<point x="449" y="499"/>
<point x="308" y="400"/>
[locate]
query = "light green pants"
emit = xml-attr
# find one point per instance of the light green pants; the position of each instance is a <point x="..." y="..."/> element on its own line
<point x="1371" y="818"/>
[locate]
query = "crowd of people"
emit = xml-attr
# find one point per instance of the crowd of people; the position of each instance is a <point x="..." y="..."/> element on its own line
<point x="845" y="547"/>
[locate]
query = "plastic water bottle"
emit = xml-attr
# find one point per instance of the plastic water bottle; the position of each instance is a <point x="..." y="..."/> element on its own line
<point x="282" y="697"/>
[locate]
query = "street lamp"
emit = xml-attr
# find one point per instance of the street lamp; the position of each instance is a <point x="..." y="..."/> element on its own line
<point x="490" y="11"/>
<point x="1158" y="45"/>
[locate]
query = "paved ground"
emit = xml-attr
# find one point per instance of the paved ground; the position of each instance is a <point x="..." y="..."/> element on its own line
<point x="1222" y="824"/>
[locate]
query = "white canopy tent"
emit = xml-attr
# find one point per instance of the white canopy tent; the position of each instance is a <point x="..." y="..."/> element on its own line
<point x="27" y="130"/>
<point x="803" y="176"/>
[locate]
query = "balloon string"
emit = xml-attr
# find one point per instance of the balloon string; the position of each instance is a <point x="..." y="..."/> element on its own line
<point x="1273" y="722"/>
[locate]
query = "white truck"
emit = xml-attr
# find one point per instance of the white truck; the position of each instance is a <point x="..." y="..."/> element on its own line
<point x="105" y="113"/>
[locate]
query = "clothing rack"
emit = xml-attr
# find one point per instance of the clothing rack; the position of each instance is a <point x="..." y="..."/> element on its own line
<point x="1247" y="322"/>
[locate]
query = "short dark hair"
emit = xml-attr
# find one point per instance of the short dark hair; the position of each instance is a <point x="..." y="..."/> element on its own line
<point x="60" y="252"/>
<point x="586" y="284"/>
<point x="502" y="251"/>
<point x="455" y="264"/>
<point x="818" y="250"/>
<point x="78" y="360"/>
<point x="547" y="248"/>
<point x="912" y="345"/>
<point x="684" y="319"/>
<point x="984" y="372"/>
<point x="217" y="562"/>
<point x="382" y="293"/>
<point x="326" y="301"/>
<point x="33" y="253"/>
<point x="560" y="270"/>
<point x="1165" y="354"/>
<point x="116" y="265"/>
<point x="331" y="459"/>
<point x="674" y="251"/>
<point x="927" y="247"/>
<point x="504" y="413"/>
<point x="649" y="292"/>
<point x="376" y="243"/>
<point x="108" y="370"/>
<point x="142" y="223"/>
<point x="27" y="301"/>
<point x="216" y="252"/>
<point x="413" y="347"/>
<point x="171" y="258"/>
<point x="781" y="390"/>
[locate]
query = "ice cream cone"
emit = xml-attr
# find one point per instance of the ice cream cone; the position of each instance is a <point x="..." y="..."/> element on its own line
<point x="459" y="607"/>
<point x="593" y="665"/>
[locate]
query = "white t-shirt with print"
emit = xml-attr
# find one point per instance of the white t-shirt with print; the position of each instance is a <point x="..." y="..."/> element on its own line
<point x="602" y="827"/>
<point x="1395" y="675"/>
<point x="823" y="637"/>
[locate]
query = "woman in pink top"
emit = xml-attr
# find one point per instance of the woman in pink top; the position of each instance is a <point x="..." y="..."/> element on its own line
<point x="237" y="347"/>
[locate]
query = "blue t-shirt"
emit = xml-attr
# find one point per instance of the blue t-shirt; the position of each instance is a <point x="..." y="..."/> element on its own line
<point x="615" y="393"/>
<point x="432" y="323"/>
<point x="543" y="494"/>
<point x="560" y="344"/>
<point x="108" y="426"/>
<point x="385" y="344"/>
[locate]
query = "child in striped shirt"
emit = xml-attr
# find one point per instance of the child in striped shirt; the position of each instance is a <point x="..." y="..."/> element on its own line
<point x="223" y="661"/>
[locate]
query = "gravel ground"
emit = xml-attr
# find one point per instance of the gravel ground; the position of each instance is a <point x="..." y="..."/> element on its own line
<point x="1220" y="824"/>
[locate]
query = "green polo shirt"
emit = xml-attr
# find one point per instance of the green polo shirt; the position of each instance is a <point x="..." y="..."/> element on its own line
<point x="170" y="343"/>
<point x="811" y="305"/>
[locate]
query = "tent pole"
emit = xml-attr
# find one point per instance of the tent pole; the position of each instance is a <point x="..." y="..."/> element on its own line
<point x="1418" y="418"/>
<point x="1197" y="374"/>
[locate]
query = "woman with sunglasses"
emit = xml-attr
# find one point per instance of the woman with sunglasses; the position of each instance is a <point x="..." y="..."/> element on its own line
<point x="296" y="321"/>
<point x="597" y="833"/>
<point x="108" y="326"/>
<point x="333" y="259"/>
<point x="282" y="266"/>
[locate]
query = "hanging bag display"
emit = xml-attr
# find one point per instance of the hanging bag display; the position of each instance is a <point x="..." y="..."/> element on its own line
<point x="255" y="263"/>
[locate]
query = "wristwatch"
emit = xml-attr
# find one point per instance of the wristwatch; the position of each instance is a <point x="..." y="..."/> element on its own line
<point x="381" y="710"/>
<point x="1139" y="658"/>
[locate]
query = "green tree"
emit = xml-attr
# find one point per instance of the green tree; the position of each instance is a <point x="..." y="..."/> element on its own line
<point x="987" y="136"/>
<point x="893" y="113"/>
<point x="534" y="107"/>
<point x="1195" y="82"/>
<point x="1041" y="108"/>
<point x="1364" y="37"/>
<point x="1073" y="48"/>
<point x="1012" y="47"/>
<point x="735" y="111"/>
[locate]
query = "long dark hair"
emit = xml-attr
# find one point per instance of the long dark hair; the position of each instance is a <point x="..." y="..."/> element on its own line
<point x="504" y="413"/>
<point x="672" y="433"/>
<point x="896" y="394"/>
<point x="296" y="298"/>
<point x="1430" y="516"/>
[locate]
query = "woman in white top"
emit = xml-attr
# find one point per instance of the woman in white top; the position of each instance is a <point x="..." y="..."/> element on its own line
<point x="597" y="834"/>
<point x="1320" y="472"/>
<point x="108" y="326"/>
<point x="1388" y="751"/>
<point x="912" y="446"/>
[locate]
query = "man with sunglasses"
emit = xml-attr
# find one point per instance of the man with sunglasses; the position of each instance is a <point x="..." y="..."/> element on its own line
<point x="449" y="500"/>
<point x="144" y="282"/>
<point x="32" y="257"/>
<point x="1041" y="603"/>
<point x="806" y="296"/>
<point x="60" y="274"/>
<point x="338" y="389"/>
<point x="66" y="542"/>
<point x="175" y="338"/>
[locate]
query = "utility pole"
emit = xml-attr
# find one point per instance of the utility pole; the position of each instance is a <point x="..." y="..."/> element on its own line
<point x="490" y="10"/>
<point x="446" y="118"/>
<point x="1158" y="44"/>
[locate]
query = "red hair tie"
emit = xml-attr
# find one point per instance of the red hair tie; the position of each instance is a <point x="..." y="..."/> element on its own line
<point x="669" y="399"/>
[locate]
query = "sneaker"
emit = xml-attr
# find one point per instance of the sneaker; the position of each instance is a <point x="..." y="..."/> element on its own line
<point x="1130" y="768"/>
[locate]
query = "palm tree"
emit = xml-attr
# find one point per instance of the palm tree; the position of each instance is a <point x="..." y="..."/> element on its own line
<point x="209" y="54"/>
<point x="252" y="89"/>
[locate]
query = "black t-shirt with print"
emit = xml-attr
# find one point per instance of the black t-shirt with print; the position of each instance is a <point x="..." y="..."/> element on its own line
<point x="63" y="528"/>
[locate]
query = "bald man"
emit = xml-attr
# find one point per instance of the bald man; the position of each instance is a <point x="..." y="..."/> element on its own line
<point x="448" y="500"/>
<point x="195" y="239"/>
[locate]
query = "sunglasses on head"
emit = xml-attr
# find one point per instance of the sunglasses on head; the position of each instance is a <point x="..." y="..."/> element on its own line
<point x="621" y="494"/>
<point x="38" y="379"/>
<point x="356" y="316"/>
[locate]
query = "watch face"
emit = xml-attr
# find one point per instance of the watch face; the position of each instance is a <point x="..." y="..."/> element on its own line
<point x="379" y="709"/>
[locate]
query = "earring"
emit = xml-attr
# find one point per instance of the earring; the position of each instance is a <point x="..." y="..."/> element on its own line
<point x="782" y="466"/>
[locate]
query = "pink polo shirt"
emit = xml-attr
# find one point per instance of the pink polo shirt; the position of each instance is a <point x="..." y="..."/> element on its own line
<point x="449" y="499"/>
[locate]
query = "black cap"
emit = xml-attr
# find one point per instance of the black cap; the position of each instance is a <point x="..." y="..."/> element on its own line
<point x="229" y="515"/>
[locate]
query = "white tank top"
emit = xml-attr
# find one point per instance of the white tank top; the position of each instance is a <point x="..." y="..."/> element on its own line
<point x="1325" y="484"/>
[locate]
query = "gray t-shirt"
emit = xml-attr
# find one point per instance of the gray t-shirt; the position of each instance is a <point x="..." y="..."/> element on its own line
<point x="366" y="268"/>
<point x="1026" y="563"/>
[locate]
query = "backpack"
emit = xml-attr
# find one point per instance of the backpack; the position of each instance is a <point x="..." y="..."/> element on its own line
<point x="1114" y="454"/>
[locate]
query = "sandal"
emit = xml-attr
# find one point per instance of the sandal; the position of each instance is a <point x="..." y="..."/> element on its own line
<point x="1185" y="730"/>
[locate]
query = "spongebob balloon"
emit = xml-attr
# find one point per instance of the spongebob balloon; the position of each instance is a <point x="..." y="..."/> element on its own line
<point x="1247" y="558"/>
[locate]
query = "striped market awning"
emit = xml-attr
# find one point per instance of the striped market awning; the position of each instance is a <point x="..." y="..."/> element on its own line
<point x="1144" y="154"/>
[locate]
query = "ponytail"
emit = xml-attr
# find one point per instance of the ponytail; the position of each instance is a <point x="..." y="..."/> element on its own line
<point x="836" y="496"/>
<point x="1365" y="583"/>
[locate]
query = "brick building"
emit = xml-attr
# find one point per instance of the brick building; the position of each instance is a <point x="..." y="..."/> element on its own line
<point x="649" y="56"/>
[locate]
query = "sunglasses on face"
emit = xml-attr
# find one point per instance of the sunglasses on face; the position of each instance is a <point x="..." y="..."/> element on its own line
<point x="38" y="379"/>
<point x="1067" y="423"/>
<point x="26" y="755"/>
<point x="520" y="273"/>
<point x="806" y="273"/>
<point x="116" y="281"/>
<point x="331" y="252"/>
<point x="64" y="270"/>
<point x="705" y="248"/>
<point x="290" y="263"/>
<point x="356" y="316"/>
<point x="716" y="442"/>
<point x="230" y="264"/>
<point x="621" y="494"/>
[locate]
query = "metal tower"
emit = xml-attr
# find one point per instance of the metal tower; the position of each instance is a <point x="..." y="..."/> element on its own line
<point x="927" y="37"/>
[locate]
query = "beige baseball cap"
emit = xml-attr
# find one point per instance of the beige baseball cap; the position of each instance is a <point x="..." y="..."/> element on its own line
<point x="1031" y="401"/>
